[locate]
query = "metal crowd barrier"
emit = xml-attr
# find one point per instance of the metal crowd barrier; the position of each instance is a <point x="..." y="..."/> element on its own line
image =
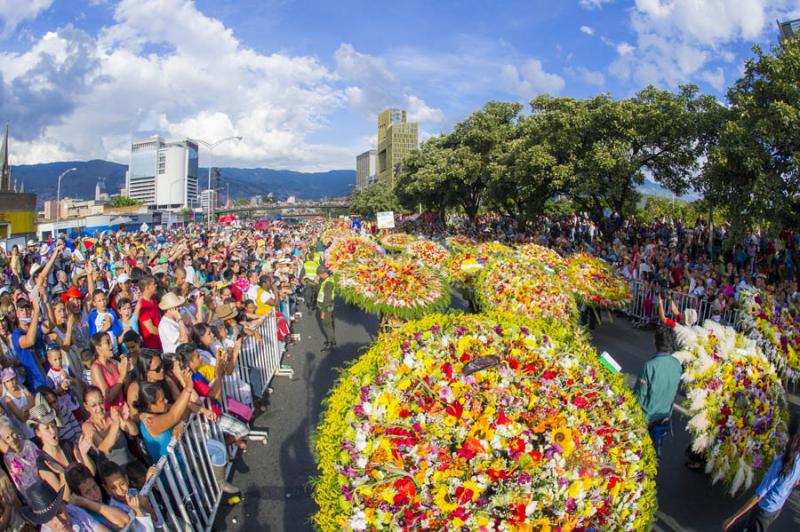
<point x="186" y="495"/>
<point x="644" y="306"/>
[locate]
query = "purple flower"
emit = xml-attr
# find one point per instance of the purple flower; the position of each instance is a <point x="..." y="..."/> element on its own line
<point x="347" y="494"/>
<point x="571" y="505"/>
<point x="524" y="330"/>
<point x="499" y="330"/>
<point x="460" y="331"/>
<point x="435" y="329"/>
<point x="405" y="346"/>
<point x="523" y="479"/>
<point x="417" y="336"/>
<point x="757" y="462"/>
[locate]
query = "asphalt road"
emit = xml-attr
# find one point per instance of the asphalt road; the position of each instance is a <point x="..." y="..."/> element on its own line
<point x="276" y="479"/>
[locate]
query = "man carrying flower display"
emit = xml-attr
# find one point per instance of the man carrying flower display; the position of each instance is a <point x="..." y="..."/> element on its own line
<point x="325" y="306"/>
<point x="657" y="387"/>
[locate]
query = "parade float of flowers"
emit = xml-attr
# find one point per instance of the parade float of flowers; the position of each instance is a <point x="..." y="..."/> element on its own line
<point x="736" y="402"/>
<point x="343" y="250"/>
<point x="397" y="242"/>
<point x="467" y="262"/>
<point x="543" y="255"/>
<point x="427" y="252"/>
<point x="393" y="287"/>
<point x="456" y="242"/>
<point x="483" y="422"/>
<point x="775" y="330"/>
<point x="515" y="284"/>
<point x="596" y="283"/>
<point x="335" y="231"/>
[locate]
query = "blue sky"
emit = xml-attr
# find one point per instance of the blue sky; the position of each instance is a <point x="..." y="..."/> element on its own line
<point x="302" y="82"/>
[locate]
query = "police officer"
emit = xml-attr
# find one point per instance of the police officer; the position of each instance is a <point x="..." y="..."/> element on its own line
<point x="325" y="307"/>
<point x="310" y="280"/>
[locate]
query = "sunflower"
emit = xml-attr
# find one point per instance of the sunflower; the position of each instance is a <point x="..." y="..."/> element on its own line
<point x="563" y="437"/>
<point x="540" y="524"/>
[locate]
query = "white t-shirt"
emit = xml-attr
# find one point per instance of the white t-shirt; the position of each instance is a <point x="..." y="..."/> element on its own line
<point x="169" y="331"/>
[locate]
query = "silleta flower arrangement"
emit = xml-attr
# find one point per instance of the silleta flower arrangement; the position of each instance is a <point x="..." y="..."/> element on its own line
<point x="456" y="242"/>
<point x="596" y="283"/>
<point x="775" y="330"/>
<point x="483" y="422"/>
<point x="543" y="255"/>
<point x="343" y="250"/>
<point x="336" y="230"/>
<point x="467" y="261"/>
<point x="393" y="287"/>
<point x="427" y="252"/>
<point x="736" y="402"/>
<point x="397" y="242"/>
<point x="514" y="284"/>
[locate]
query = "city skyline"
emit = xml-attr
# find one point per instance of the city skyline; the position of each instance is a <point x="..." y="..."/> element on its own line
<point x="81" y="80"/>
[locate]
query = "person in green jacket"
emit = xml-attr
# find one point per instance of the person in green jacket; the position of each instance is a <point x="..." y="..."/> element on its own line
<point x="325" y="298"/>
<point x="310" y="280"/>
<point x="657" y="387"/>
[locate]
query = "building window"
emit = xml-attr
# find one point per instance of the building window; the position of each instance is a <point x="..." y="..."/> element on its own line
<point x="162" y="162"/>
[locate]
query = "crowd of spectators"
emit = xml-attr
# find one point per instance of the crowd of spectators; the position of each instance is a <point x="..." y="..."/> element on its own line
<point x="108" y="344"/>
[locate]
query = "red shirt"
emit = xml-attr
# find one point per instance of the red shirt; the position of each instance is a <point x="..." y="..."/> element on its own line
<point x="150" y="312"/>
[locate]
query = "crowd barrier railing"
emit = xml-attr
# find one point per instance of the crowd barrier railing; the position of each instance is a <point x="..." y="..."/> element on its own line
<point x="186" y="493"/>
<point x="643" y="308"/>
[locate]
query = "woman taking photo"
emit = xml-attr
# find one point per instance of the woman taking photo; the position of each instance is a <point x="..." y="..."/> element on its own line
<point x="107" y="431"/>
<point x="158" y="420"/>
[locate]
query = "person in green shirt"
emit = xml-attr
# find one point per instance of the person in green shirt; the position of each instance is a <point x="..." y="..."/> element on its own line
<point x="657" y="387"/>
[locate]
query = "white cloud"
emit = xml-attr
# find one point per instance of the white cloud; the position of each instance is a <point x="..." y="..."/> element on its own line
<point x="592" y="77"/>
<point x="588" y="30"/>
<point x="530" y="79"/>
<point x="594" y="4"/>
<point x="12" y="12"/>
<point x="680" y="41"/>
<point x="375" y="87"/>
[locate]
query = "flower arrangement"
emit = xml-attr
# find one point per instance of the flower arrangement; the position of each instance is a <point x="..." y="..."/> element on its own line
<point x="427" y="252"/>
<point x="736" y="403"/>
<point x="514" y="284"/>
<point x="482" y="422"/>
<point x="393" y="287"/>
<point x="595" y="282"/>
<point x="454" y="243"/>
<point x="466" y="262"/>
<point x="343" y="250"/>
<point x="774" y="330"/>
<point x="397" y="242"/>
<point x="334" y="231"/>
<point x="543" y="255"/>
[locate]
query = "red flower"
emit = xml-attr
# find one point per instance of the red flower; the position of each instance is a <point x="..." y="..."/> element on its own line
<point x="513" y="363"/>
<point x="549" y="375"/>
<point x="579" y="401"/>
<point x="404" y="412"/>
<point x="463" y="495"/>
<point x="536" y="455"/>
<point x="502" y="419"/>
<point x="517" y="446"/>
<point x="447" y="371"/>
<point x="406" y="489"/>
<point x="455" y="409"/>
<point x="497" y="474"/>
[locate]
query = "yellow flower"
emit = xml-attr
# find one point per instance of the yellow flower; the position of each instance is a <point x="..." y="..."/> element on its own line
<point x="440" y="500"/>
<point x="540" y="524"/>
<point x="563" y="437"/>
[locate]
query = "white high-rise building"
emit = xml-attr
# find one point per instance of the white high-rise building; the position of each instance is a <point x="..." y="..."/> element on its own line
<point x="366" y="168"/>
<point x="204" y="197"/>
<point x="163" y="174"/>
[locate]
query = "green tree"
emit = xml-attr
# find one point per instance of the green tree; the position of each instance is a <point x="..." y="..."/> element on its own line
<point x="124" y="201"/>
<point x="754" y="169"/>
<point x="423" y="180"/>
<point x="373" y="199"/>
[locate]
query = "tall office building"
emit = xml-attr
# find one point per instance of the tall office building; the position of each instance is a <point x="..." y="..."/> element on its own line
<point x="396" y="137"/>
<point x="163" y="174"/>
<point x="366" y="168"/>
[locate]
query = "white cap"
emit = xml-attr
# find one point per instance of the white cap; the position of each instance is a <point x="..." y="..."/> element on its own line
<point x="123" y="278"/>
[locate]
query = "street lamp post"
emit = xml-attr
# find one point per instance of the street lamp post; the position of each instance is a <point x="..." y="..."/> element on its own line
<point x="58" y="199"/>
<point x="211" y="146"/>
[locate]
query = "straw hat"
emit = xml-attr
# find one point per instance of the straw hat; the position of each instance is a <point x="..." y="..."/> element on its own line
<point x="170" y="301"/>
<point x="225" y="312"/>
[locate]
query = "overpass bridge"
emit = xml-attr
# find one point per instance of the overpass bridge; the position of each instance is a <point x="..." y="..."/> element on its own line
<point x="301" y="209"/>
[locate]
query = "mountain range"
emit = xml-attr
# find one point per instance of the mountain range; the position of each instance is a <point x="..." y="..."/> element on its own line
<point x="244" y="182"/>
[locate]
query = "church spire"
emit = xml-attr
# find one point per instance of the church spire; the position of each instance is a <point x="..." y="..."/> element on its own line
<point x="5" y="169"/>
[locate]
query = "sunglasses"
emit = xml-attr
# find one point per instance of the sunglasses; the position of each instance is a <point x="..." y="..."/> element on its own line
<point x="157" y="368"/>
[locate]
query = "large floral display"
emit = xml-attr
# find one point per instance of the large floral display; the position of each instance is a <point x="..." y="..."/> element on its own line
<point x="343" y="250"/>
<point x="596" y="283"/>
<point x="456" y="242"/>
<point x="513" y="283"/>
<point x="336" y="230"/>
<point x="397" y="242"/>
<point x="483" y="422"/>
<point x="543" y="255"/>
<point x="467" y="261"/>
<point x="393" y="287"/>
<point x="775" y="330"/>
<point x="427" y="252"/>
<point x="736" y="403"/>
